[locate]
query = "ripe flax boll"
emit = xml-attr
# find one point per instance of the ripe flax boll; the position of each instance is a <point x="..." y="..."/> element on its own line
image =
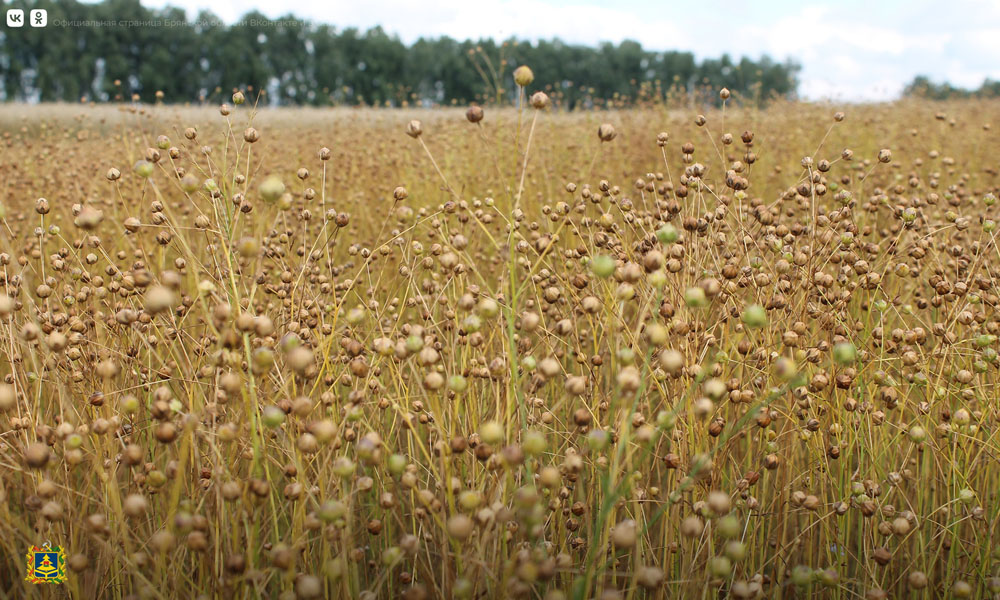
<point x="540" y="100"/>
<point x="474" y="114"/>
<point x="414" y="129"/>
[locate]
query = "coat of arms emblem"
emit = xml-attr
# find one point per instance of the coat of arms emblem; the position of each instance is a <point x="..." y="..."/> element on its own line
<point x="46" y="564"/>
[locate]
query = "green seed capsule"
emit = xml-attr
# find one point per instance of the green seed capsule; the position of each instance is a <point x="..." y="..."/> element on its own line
<point x="735" y="550"/>
<point x="802" y="576"/>
<point x="755" y="316"/>
<point x="720" y="566"/>
<point x="666" y="420"/>
<point x="695" y="297"/>
<point x="533" y="443"/>
<point x="156" y="479"/>
<point x="729" y="526"/>
<point x="828" y="577"/>
<point x="343" y="467"/>
<point x="470" y="500"/>
<point x="271" y="189"/>
<point x="488" y="308"/>
<point x="414" y="343"/>
<point x="598" y="439"/>
<point x="845" y="353"/>
<point x="492" y="432"/>
<point x="331" y="510"/>
<point x="458" y="383"/>
<point x="273" y="417"/>
<point x="667" y="234"/>
<point x="603" y="266"/>
<point x="392" y="555"/>
<point x="143" y="168"/>
<point x="472" y="323"/>
<point x="396" y="464"/>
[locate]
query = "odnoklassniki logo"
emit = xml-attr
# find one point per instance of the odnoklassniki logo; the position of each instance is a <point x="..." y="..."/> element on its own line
<point x="46" y="564"/>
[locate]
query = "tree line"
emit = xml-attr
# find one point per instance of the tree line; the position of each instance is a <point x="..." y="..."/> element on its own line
<point x="118" y="50"/>
<point x="923" y="87"/>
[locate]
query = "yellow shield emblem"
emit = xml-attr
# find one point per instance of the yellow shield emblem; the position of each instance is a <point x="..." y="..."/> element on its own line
<point x="46" y="564"/>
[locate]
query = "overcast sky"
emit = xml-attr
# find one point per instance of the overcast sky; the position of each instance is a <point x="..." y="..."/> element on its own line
<point x="851" y="50"/>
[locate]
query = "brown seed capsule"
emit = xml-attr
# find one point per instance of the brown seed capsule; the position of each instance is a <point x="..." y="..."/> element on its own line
<point x="606" y="132"/>
<point x="36" y="455"/>
<point x="483" y="452"/>
<point x="197" y="541"/>
<point x="46" y="488"/>
<point x="251" y="135"/>
<point x="135" y="505"/>
<point x="539" y="100"/>
<point x="624" y="534"/>
<point x="78" y="562"/>
<point x="166" y="432"/>
<point x="692" y="526"/>
<point x="414" y="128"/>
<point x="308" y="587"/>
<point x="900" y="526"/>
<point x="917" y="580"/>
<point x="475" y="114"/>
<point x="460" y="527"/>
<point x="672" y="461"/>
<point x="576" y="385"/>
<point x="236" y="563"/>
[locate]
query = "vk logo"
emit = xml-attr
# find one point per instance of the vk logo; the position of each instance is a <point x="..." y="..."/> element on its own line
<point x="15" y="17"/>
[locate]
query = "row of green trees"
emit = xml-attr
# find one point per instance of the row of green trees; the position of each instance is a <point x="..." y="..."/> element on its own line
<point x="923" y="87"/>
<point x="116" y="48"/>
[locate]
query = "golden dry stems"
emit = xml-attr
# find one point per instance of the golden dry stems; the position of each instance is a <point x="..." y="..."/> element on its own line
<point x="758" y="367"/>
